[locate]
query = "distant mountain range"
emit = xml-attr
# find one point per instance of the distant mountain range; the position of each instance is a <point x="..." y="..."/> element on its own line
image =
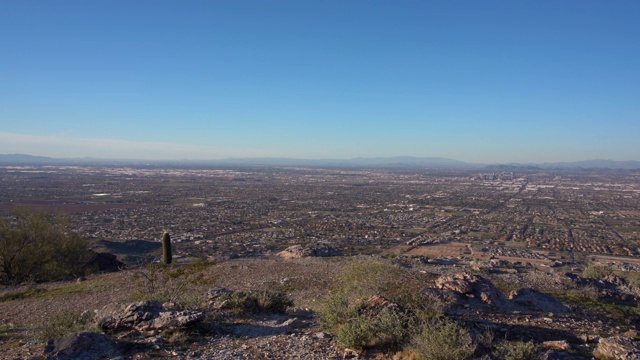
<point x="377" y="162"/>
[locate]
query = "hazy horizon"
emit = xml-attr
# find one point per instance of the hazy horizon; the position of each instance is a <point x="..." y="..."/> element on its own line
<point x="17" y="158"/>
<point x="479" y="82"/>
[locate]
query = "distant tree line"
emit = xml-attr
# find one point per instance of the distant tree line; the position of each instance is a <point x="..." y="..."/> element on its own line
<point x="37" y="247"/>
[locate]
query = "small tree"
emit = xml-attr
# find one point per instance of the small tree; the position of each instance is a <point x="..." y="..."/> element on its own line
<point x="39" y="247"/>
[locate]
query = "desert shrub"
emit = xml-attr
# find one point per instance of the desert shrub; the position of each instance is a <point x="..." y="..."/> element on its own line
<point x="7" y="330"/>
<point x="544" y="281"/>
<point x="388" y="328"/>
<point x="38" y="247"/>
<point x="517" y="350"/>
<point x="484" y="340"/>
<point x="21" y="294"/>
<point x="587" y="298"/>
<point x="64" y="323"/>
<point x="363" y="280"/>
<point x="506" y="285"/>
<point x="588" y="291"/>
<point x="257" y="301"/>
<point x="443" y="339"/>
<point x="273" y="301"/>
<point x="597" y="272"/>
<point x="356" y="333"/>
<point x="336" y="308"/>
<point x="173" y="283"/>
<point x="369" y="278"/>
<point x="634" y="281"/>
<point x="341" y="312"/>
<point x="356" y="284"/>
<point x="392" y="328"/>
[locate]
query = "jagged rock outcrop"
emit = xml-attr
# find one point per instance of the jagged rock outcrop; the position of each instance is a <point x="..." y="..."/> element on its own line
<point x="82" y="346"/>
<point x="474" y="287"/>
<point x="618" y="348"/>
<point x="144" y="316"/>
<point x="121" y="317"/>
<point x="533" y="300"/>
<point x="299" y="251"/>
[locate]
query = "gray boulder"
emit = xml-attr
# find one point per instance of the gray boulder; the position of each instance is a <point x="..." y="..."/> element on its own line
<point x="533" y="300"/>
<point x="82" y="346"/>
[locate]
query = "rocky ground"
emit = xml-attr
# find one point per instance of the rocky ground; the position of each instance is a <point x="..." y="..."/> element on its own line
<point x="513" y="305"/>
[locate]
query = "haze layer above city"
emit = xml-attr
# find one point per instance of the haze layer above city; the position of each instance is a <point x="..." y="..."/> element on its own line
<point x="480" y="82"/>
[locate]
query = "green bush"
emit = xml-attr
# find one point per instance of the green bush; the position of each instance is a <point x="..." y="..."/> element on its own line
<point x="485" y="338"/>
<point x="272" y="301"/>
<point x="387" y="329"/>
<point x="393" y="328"/>
<point x="597" y="272"/>
<point x="7" y="330"/>
<point x="341" y="312"/>
<point x="356" y="333"/>
<point x="21" y="294"/>
<point x="38" y="247"/>
<point x="443" y="339"/>
<point x="587" y="298"/>
<point x="517" y="350"/>
<point x="257" y="301"/>
<point x="179" y="284"/>
<point x="356" y="284"/>
<point x="634" y="280"/>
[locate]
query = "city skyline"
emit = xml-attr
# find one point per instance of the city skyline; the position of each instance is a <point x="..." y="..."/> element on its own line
<point x="489" y="82"/>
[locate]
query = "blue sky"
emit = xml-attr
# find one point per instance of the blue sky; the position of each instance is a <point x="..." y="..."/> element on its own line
<point x="480" y="81"/>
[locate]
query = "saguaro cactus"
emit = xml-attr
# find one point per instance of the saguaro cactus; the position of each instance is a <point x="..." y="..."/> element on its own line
<point x="166" y="248"/>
